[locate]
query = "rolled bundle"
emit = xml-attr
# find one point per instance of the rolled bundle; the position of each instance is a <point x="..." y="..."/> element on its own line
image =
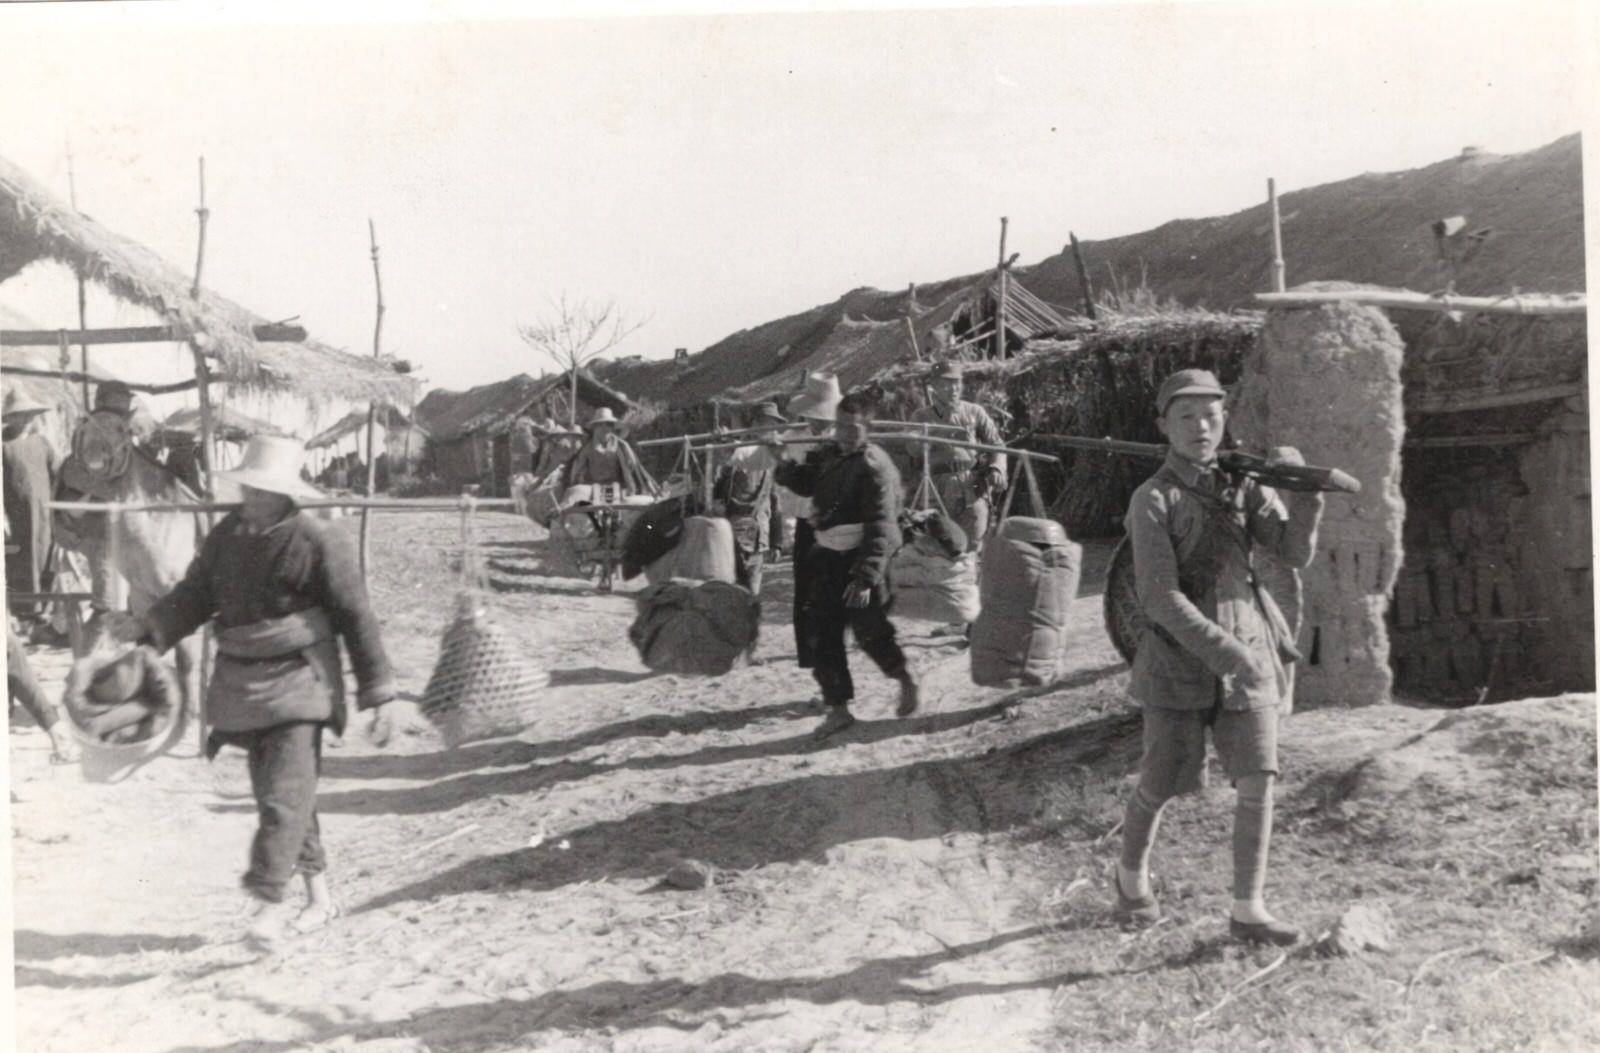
<point x="483" y="686"/>
<point x="930" y="585"/>
<point x="705" y="552"/>
<point x="1030" y="579"/>
<point x="702" y="629"/>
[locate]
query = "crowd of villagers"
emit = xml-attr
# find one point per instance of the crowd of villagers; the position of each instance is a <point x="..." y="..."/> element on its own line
<point x="283" y="593"/>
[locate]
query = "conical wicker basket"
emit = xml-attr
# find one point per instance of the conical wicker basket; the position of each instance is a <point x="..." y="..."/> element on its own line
<point x="484" y="686"/>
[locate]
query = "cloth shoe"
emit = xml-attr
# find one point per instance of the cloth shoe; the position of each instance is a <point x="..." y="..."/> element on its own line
<point x="270" y="925"/>
<point x="910" y="695"/>
<point x="1272" y="933"/>
<point x="1134" y="911"/>
<point x="837" y="720"/>
<point x="315" y="917"/>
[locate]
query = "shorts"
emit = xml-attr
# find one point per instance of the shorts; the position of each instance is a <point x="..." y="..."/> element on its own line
<point x="1174" y="760"/>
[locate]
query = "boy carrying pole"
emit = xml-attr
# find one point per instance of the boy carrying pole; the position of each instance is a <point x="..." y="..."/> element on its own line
<point x="1217" y="650"/>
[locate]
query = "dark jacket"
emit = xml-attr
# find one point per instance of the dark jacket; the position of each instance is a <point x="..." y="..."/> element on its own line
<point x="861" y="487"/>
<point x="242" y="579"/>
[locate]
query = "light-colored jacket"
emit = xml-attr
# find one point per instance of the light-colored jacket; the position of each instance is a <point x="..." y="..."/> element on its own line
<point x="1193" y="531"/>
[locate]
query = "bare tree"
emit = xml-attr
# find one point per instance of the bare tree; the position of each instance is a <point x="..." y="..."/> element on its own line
<point x="575" y="332"/>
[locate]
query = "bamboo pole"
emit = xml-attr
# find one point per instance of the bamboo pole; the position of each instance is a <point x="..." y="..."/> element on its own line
<point x="1277" y="237"/>
<point x="83" y="307"/>
<point x="372" y="415"/>
<point x="1000" y="296"/>
<point x="71" y="376"/>
<point x="388" y="504"/>
<point x="904" y="436"/>
<point x="911" y="330"/>
<point x="1083" y="277"/>
<point x="202" y="375"/>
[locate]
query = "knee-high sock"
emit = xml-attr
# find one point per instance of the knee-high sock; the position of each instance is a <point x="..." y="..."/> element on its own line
<point x="1139" y="824"/>
<point x="1252" y="833"/>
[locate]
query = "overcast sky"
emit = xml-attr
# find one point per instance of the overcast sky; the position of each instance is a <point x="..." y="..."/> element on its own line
<point x="710" y="173"/>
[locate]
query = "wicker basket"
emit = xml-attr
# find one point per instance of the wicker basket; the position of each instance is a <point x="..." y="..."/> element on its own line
<point x="483" y="686"/>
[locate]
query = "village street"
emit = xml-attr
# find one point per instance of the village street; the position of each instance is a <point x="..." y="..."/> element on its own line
<point x="508" y="894"/>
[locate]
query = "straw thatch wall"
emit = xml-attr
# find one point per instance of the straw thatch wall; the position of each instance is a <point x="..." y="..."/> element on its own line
<point x="1102" y="384"/>
<point x="1327" y="381"/>
<point x="36" y="225"/>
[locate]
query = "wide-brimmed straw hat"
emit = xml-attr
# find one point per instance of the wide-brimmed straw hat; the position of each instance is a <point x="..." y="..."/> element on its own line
<point x="19" y="404"/>
<point x="271" y="463"/>
<point x="819" y="400"/>
<point x="601" y="416"/>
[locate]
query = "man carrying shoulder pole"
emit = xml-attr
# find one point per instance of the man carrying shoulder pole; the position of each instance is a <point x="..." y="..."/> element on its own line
<point x="855" y="495"/>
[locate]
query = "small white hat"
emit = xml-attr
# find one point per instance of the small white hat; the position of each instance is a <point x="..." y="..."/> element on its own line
<point x="272" y="463"/>
<point x="18" y="404"/>
<point x="603" y="415"/>
<point x="820" y="399"/>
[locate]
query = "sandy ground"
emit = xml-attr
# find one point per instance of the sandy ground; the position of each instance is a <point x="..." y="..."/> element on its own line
<point x="507" y="895"/>
<point x="889" y="890"/>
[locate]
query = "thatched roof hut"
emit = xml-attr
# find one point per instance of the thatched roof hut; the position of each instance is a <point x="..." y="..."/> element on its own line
<point x="36" y="225"/>
<point x="472" y="435"/>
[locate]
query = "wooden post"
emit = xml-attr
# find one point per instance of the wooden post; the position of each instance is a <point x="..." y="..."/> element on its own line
<point x="1277" y="237"/>
<point x="202" y="374"/>
<point x="204" y="214"/>
<point x="1083" y="277"/>
<point x="911" y="330"/>
<point x="1000" y="296"/>
<point x="372" y="414"/>
<point x="83" y="321"/>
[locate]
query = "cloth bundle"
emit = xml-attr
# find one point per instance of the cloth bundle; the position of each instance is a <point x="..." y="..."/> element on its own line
<point x="1030" y="578"/>
<point x="483" y="685"/>
<point x="934" y="577"/>
<point x="653" y="535"/>
<point x="702" y="629"/>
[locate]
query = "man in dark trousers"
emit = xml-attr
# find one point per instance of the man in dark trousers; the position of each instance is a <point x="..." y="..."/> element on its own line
<point x="855" y="496"/>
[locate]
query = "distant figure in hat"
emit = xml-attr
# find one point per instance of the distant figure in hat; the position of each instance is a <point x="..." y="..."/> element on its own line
<point x="283" y="590"/>
<point x="815" y="407"/>
<point x="605" y="459"/>
<point x="1215" y="658"/>
<point x="967" y="479"/>
<point x="744" y="491"/>
<point x="30" y="466"/>
<point x="855" y="491"/>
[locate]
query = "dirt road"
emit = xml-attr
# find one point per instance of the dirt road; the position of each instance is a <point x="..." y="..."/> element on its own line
<point x="865" y="895"/>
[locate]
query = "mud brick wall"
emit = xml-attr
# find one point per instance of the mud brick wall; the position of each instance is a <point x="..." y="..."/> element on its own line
<point x="1327" y="381"/>
<point x="1496" y="596"/>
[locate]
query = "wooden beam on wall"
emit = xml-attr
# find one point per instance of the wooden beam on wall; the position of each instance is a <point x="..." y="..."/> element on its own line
<point x="141" y="334"/>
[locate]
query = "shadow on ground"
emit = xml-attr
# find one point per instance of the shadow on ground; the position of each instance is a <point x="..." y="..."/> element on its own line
<point x="788" y="821"/>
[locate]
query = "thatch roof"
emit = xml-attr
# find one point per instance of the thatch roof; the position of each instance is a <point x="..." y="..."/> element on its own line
<point x="355" y="423"/>
<point x="491" y="408"/>
<point x="36" y="225"/>
<point x="226" y="423"/>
